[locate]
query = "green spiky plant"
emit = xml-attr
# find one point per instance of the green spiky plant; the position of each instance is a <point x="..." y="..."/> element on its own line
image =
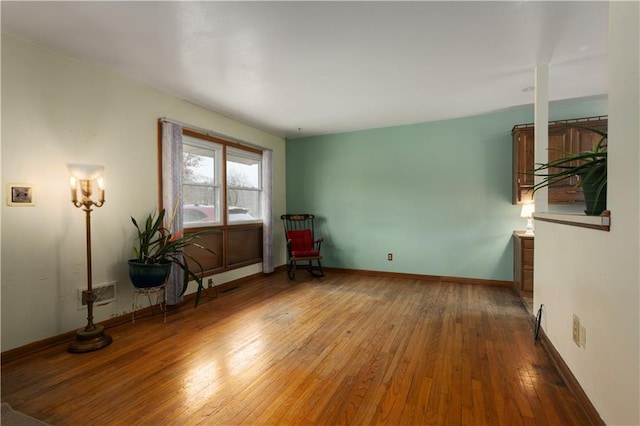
<point x="589" y="166"/>
<point x="156" y="244"/>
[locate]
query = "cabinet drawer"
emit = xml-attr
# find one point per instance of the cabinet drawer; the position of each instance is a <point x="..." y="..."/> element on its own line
<point x="527" y="258"/>
<point x="527" y="280"/>
<point x="523" y="263"/>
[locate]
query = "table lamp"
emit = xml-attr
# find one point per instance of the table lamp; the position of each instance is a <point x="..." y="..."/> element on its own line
<point x="527" y="211"/>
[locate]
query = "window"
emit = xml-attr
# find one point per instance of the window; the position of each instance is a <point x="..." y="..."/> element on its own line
<point x="244" y="185"/>
<point x="201" y="182"/>
<point x="222" y="191"/>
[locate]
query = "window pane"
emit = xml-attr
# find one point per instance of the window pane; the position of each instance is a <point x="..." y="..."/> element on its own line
<point x="198" y="165"/>
<point x="199" y="194"/>
<point x="243" y="169"/>
<point x="244" y="205"/>
<point x="199" y="205"/>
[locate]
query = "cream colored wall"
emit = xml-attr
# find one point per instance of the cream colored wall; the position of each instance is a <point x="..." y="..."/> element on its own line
<point x="56" y="110"/>
<point x="595" y="274"/>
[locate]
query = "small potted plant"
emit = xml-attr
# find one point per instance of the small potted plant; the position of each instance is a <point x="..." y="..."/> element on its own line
<point x="589" y="166"/>
<point x="157" y="249"/>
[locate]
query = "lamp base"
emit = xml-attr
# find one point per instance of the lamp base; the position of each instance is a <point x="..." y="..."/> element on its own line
<point x="529" y="226"/>
<point x="87" y="341"/>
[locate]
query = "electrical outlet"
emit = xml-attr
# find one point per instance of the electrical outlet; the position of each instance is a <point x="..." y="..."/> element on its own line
<point x="210" y="282"/>
<point x="390" y="256"/>
<point x="576" y="330"/>
<point x="583" y="337"/>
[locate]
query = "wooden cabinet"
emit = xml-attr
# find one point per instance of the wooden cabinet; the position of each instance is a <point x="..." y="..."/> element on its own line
<point x="523" y="263"/>
<point x="523" y="162"/>
<point x="560" y="142"/>
<point x="563" y="138"/>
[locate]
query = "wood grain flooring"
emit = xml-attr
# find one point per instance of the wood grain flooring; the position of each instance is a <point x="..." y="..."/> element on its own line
<point x="345" y="349"/>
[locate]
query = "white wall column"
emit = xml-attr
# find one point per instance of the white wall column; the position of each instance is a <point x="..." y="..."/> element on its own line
<point x="593" y="274"/>
<point x="541" y="131"/>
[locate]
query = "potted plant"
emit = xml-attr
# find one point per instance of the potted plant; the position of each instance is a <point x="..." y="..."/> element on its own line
<point x="157" y="249"/>
<point x="589" y="166"/>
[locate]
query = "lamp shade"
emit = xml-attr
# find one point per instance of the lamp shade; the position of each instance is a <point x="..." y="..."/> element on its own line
<point x="85" y="171"/>
<point x="527" y="210"/>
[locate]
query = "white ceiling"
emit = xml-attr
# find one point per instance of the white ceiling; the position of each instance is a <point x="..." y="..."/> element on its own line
<point x="328" y="67"/>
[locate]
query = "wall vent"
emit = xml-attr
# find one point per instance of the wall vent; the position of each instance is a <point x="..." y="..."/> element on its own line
<point x="105" y="293"/>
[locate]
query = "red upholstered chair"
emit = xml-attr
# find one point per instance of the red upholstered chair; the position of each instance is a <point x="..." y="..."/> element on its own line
<point x="301" y="244"/>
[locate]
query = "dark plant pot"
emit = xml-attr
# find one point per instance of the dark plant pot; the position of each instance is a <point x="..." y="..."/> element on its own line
<point x="144" y="275"/>
<point x="596" y="203"/>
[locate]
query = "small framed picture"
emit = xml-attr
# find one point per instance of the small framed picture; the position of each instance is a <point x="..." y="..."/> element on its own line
<point x="20" y="194"/>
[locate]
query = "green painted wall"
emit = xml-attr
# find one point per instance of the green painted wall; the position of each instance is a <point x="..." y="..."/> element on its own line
<point x="437" y="195"/>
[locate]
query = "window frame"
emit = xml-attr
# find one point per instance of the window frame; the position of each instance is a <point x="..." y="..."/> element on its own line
<point x="251" y="155"/>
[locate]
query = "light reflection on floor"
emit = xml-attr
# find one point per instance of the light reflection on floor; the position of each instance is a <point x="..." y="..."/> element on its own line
<point x="240" y="358"/>
<point x="201" y="380"/>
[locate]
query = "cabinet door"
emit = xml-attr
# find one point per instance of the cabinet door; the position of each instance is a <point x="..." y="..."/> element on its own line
<point x="571" y="140"/>
<point x="563" y="138"/>
<point x="523" y="164"/>
<point x="517" y="263"/>
<point x="560" y="144"/>
<point x="586" y="140"/>
<point x="523" y="264"/>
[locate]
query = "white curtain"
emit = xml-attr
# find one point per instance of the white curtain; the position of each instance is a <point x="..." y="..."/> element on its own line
<point x="171" y="196"/>
<point x="267" y="227"/>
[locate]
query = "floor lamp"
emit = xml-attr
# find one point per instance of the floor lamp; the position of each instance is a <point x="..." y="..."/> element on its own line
<point x="91" y="337"/>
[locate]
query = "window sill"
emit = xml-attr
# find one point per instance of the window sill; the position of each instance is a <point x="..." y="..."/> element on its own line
<point x="602" y="222"/>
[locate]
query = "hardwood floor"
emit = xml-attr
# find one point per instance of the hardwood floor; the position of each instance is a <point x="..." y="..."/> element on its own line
<point x="346" y="349"/>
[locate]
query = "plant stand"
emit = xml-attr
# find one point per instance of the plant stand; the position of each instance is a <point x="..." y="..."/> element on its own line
<point x="160" y="300"/>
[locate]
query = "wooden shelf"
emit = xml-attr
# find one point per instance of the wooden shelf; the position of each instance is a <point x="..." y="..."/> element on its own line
<point x="602" y="222"/>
